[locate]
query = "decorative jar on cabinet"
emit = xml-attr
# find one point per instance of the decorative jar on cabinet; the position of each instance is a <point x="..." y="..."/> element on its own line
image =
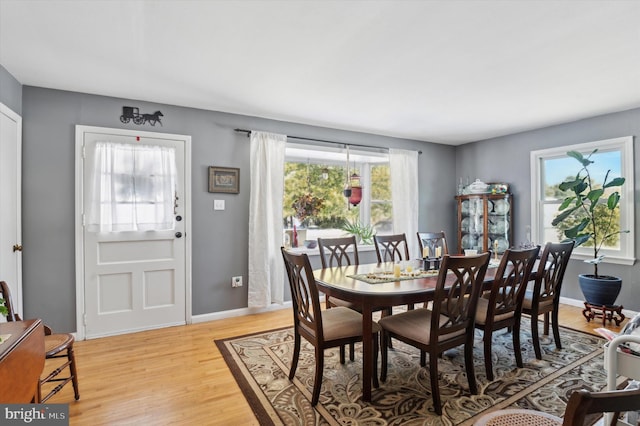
<point x="485" y="222"/>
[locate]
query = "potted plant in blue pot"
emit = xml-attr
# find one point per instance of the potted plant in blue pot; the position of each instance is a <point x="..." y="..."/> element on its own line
<point x="588" y="215"/>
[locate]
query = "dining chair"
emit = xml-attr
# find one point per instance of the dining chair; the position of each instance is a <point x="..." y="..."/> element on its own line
<point x="391" y="248"/>
<point x="330" y="328"/>
<point x="434" y="333"/>
<point x="56" y="346"/>
<point x="501" y="307"/>
<point x="581" y="403"/>
<point x="432" y="240"/>
<point x="544" y="299"/>
<point x="335" y="252"/>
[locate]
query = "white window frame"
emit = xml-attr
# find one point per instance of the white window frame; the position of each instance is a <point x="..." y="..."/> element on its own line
<point x="626" y="254"/>
<point x="360" y="158"/>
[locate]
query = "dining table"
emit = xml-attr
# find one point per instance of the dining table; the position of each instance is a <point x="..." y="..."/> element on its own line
<point x="373" y="286"/>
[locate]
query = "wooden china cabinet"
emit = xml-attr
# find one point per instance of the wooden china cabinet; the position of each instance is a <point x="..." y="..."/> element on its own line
<point x="485" y="221"/>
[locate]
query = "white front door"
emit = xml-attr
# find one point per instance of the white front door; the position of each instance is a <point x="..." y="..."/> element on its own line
<point x="10" y="184"/>
<point x="135" y="279"/>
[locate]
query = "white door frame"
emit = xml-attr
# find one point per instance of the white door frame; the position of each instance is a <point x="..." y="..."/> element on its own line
<point x="79" y="216"/>
<point x="16" y="287"/>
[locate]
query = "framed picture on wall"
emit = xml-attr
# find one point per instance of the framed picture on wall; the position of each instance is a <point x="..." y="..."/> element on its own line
<point x="224" y="179"/>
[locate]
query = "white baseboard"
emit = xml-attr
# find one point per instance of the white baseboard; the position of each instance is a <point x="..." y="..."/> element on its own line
<point x="238" y="312"/>
<point x="287" y="305"/>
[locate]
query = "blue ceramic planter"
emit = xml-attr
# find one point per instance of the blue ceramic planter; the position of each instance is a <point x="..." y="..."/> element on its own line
<point x="602" y="291"/>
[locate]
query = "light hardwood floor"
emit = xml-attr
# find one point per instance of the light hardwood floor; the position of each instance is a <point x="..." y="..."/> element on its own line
<point x="176" y="375"/>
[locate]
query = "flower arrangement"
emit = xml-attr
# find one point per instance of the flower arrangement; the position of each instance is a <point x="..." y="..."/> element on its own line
<point x="307" y="206"/>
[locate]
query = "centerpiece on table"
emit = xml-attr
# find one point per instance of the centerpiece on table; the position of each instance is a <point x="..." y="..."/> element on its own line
<point x="588" y="215"/>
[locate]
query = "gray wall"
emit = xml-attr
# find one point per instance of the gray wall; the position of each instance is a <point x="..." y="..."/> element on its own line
<point x="219" y="238"/>
<point x="506" y="159"/>
<point x="10" y="91"/>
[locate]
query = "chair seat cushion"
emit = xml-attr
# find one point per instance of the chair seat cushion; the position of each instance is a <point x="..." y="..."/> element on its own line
<point x="54" y="343"/>
<point x="518" y="416"/>
<point x="528" y="302"/>
<point x="415" y="325"/>
<point x="341" y="323"/>
<point x="482" y="309"/>
<point x="339" y="302"/>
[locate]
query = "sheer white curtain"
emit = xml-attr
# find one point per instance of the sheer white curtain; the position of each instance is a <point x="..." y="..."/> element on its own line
<point x="133" y="188"/>
<point x="403" y="166"/>
<point x="266" y="267"/>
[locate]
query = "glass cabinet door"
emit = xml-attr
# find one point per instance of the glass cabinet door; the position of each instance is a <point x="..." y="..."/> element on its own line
<point x="484" y="222"/>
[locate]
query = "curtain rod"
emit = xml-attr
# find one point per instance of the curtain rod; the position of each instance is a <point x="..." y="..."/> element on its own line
<point x="248" y="132"/>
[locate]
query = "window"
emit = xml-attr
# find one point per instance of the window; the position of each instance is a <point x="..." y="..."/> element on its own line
<point x="549" y="167"/>
<point x="315" y="177"/>
<point x="133" y="188"/>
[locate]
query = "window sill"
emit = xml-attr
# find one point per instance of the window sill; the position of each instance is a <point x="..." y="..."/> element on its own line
<point x="316" y="252"/>
<point x="615" y="260"/>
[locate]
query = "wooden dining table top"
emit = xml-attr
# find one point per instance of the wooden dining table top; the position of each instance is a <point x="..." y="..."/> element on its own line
<point x="340" y="282"/>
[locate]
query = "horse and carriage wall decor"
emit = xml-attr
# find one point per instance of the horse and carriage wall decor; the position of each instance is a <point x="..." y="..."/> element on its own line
<point x="133" y="114"/>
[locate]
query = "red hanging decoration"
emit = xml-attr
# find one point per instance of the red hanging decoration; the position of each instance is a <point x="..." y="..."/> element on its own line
<point x="356" y="190"/>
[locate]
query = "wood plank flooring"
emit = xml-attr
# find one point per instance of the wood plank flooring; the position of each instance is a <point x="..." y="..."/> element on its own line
<point x="176" y="375"/>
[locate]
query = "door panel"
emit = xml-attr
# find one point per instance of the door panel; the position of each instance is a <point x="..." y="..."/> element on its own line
<point x="134" y="280"/>
<point x="10" y="200"/>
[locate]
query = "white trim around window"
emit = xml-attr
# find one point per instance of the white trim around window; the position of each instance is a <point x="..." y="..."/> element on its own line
<point x="626" y="253"/>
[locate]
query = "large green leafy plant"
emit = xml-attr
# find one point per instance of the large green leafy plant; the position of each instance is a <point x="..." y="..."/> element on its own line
<point x="590" y="209"/>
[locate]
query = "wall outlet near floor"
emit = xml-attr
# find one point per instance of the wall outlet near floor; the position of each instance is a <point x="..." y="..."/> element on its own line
<point x="236" y="281"/>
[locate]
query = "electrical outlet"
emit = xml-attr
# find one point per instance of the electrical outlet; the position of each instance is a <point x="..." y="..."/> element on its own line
<point x="236" y="281"/>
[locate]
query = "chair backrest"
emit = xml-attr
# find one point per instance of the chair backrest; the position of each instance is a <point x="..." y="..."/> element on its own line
<point x="553" y="264"/>
<point x="338" y="251"/>
<point x="432" y="240"/>
<point x="510" y="284"/>
<point x="391" y="248"/>
<point x="583" y="402"/>
<point x="304" y="294"/>
<point x="459" y="275"/>
<point x="6" y="295"/>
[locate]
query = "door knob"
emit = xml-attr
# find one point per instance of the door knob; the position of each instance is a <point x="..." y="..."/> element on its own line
<point x="178" y="234"/>
<point x="17" y="247"/>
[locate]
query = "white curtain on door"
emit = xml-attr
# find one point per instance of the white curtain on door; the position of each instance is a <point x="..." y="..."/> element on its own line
<point x="266" y="266"/>
<point x="403" y="166"/>
<point x="133" y="188"/>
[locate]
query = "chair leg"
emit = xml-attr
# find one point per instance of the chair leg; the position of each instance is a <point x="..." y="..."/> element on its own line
<point x="535" y="337"/>
<point x="546" y="324"/>
<point x="352" y="352"/>
<point x="317" y="381"/>
<point x="435" y="390"/>
<point x="384" y="355"/>
<point x="556" y="328"/>
<point x="342" y="357"/>
<point x="388" y="312"/>
<point x="488" y="361"/>
<point x="376" y="383"/>
<point x="296" y="355"/>
<point x="74" y="375"/>
<point x="516" y="343"/>
<point x="423" y="358"/>
<point x="468" y="363"/>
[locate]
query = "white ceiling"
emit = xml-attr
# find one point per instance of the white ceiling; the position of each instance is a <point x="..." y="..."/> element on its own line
<point x="447" y="71"/>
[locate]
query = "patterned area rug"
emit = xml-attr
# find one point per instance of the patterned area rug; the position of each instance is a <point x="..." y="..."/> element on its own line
<point x="260" y="364"/>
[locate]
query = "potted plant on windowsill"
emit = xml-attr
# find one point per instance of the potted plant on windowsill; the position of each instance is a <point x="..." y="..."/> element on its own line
<point x="588" y="215"/>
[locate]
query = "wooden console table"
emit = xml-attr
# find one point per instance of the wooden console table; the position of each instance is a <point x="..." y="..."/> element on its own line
<point x="21" y="361"/>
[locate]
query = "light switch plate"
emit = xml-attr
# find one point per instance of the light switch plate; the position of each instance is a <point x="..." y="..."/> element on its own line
<point x="218" y="204"/>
